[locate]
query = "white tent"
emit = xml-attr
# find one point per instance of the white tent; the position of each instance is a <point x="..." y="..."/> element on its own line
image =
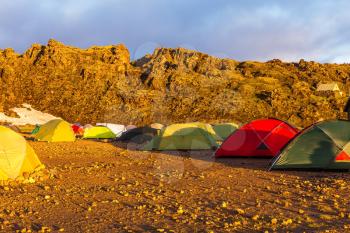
<point x="129" y="127"/>
<point x="115" y="128"/>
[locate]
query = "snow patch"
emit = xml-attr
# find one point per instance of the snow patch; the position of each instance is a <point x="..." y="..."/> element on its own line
<point x="27" y="115"/>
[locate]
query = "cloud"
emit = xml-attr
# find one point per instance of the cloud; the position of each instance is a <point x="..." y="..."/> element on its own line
<point x="243" y="30"/>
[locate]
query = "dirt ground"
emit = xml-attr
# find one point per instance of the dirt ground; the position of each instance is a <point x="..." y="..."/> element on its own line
<point x="100" y="187"/>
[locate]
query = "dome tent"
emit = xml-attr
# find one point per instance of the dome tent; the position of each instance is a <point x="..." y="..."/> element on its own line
<point x="224" y="130"/>
<point x="324" y="145"/>
<point x="27" y="128"/>
<point x="87" y="126"/>
<point x="138" y="135"/>
<point x="258" y="138"/>
<point x="14" y="128"/>
<point x="129" y="127"/>
<point x="77" y="129"/>
<point x="157" y="126"/>
<point x="187" y="136"/>
<point x="56" y="130"/>
<point x="115" y="128"/>
<point x="98" y="132"/>
<point x="16" y="155"/>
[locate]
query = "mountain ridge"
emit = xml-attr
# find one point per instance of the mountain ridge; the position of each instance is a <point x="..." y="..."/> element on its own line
<point x="101" y="83"/>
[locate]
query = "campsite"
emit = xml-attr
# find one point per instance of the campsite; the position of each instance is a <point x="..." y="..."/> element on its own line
<point x="181" y="164"/>
<point x="186" y="116"/>
<point x="177" y="178"/>
<point x="142" y="191"/>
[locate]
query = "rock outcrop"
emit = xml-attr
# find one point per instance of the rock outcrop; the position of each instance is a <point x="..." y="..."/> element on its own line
<point x="171" y="85"/>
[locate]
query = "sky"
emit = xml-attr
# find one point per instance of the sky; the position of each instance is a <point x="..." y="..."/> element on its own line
<point x="262" y="30"/>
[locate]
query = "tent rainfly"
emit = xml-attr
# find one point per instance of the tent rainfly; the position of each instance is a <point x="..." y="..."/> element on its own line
<point x="117" y="129"/>
<point x="324" y="145"/>
<point x="187" y="136"/>
<point x="224" y="130"/>
<point x="56" y="130"/>
<point x="98" y="132"/>
<point x="258" y="138"/>
<point x="16" y="155"/>
<point x="138" y="135"/>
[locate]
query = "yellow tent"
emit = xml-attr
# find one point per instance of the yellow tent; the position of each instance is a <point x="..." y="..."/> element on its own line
<point x="16" y="155"/>
<point x="187" y="136"/>
<point x="56" y="130"/>
<point x="98" y="132"/>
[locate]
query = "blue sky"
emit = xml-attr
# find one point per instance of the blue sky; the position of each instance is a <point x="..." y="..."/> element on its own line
<point x="240" y="29"/>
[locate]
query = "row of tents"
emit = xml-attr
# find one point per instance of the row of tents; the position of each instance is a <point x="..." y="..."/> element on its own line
<point x="185" y="136"/>
<point x="324" y="145"/>
<point x="17" y="157"/>
<point x="313" y="147"/>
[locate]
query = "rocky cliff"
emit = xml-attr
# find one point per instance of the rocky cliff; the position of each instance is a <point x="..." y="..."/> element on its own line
<point x="171" y="85"/>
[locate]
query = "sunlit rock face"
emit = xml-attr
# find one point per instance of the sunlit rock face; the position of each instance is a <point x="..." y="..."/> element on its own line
<point x="170" y="85"/>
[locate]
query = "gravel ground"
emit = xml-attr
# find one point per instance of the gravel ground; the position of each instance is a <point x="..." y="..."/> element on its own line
<point x="101" y="187"/>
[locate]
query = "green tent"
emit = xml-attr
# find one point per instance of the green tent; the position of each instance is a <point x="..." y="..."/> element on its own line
<point x="225" y="129"/>
<point x="187" y="136"/>
<point x="98" y="132"/>
<point x="325" y="145"/>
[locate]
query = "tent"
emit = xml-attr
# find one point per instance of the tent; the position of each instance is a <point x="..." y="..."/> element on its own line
<point x="98" y="132"/>
<point x="88" y="126"/>
<point x="128" y="127"/>
<point x="224" y="130"/>
<point x="16" y="155"/>
<point x="324" y="145"/>
<point x="138" y="135"/>
<point x="56" y="130"/>
<point x="157" y="126"/>
<point x="14" y="128"/>
<point x="259" y="138"/>
<point x="78" y="129"/>
<point x="36" y="129"/>
<point x="26" y="129"/>
<point x="187" y="136"/>
<point x="115" y="128"/>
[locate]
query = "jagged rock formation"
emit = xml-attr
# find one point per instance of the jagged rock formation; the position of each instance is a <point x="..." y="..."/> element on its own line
<point x="172" y="85"/>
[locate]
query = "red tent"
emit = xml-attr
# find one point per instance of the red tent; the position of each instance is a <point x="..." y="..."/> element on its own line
<point x="78" y="129"/>
<point x="259" y="138"/>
